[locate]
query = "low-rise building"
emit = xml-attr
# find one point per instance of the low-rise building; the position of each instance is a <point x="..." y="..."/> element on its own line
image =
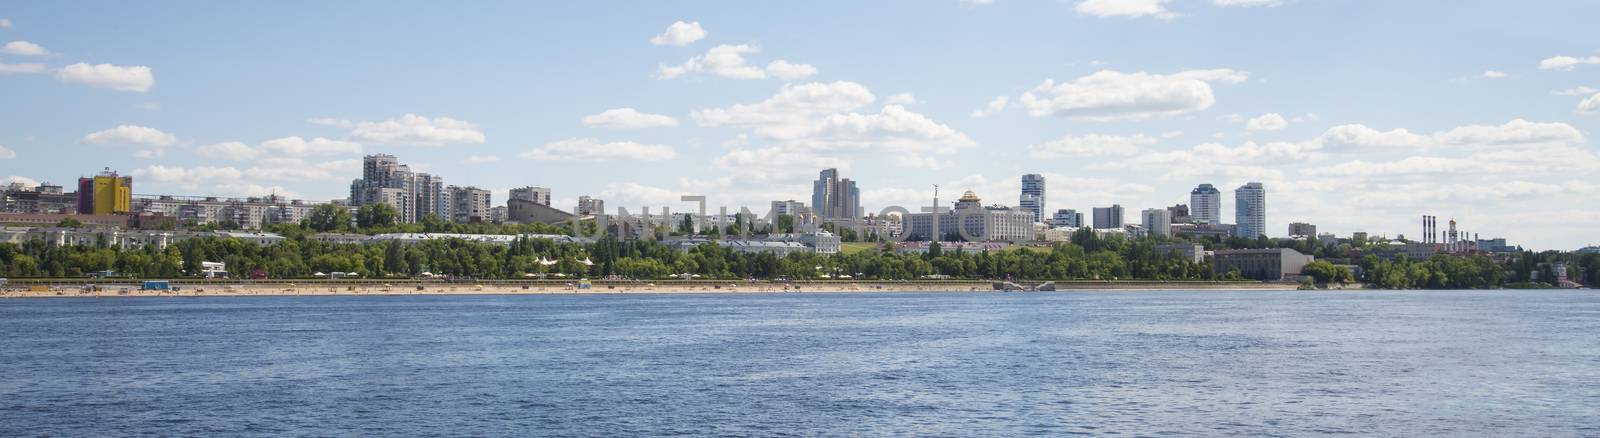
<point x="1193" y="252"/>
<point x="1260" y="264"/>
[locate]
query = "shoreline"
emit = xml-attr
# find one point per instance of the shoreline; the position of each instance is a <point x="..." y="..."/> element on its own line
<point x="703" y="287"/>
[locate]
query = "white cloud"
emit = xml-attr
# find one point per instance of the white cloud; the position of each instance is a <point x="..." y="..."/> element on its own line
<point x="23" y="48"/>
<point x="628" y="118"/>
<point x="818" y="118"/>
<point x="793" y="103"/>
<point x="6" y="153"/>
<point x="417" y="130"/>
<point x="977" y="2"/>
<point x="297" y="169"/>
<point x="1515" y="132"/>
<point x="901" y="99"/>
<point x="294" y="146"/>
<point x="790" y="71"/>
<point x="1494" y="74"/>
<point x="1111" y="95"/>
<point x="680" y="34"/>
<point x="131" y="135"/>
<point x="994" y="106"/>
<point x="1567" y="63"/>
<point x="1125" y="8"/>
<point x="1266" y="122"/>
<point x="1590" y="105"/>
<point x="1247" y="3"/>
<point x="5" y="23"/>
<point x="121" y="78"/>
<point x="27" y="67"/>
<point x="329" y="121"/>
<point x="1092" y="145"/>
<point x="723" y="60"/>
<point x="191" y="177"/>
<point x="588" y="149"/>
<point x="1574" y="91"/>
<point x="231" y="150"/>
<point x="775" y="164"/>
<point x="26" y="181"/>
<point x="480" y="159"/>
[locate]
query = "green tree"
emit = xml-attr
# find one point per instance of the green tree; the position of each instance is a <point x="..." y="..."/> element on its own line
<point x="376" y="216"/>
<point x="329" y="217"/>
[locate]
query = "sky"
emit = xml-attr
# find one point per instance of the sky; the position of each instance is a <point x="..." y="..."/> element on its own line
<point x="1356" y="115"/>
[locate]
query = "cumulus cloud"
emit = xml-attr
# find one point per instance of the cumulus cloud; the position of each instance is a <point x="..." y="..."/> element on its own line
<point x="1092" y="145"/>
<point x="298" y="169"/>
<point x="131" y="135"/>
<point x="723" y="60"/>
<point x="792" y="104"/>
<point x="1111" y="95"/>
<point x="480" y="159"/>
<point x="287" y="147"/>
<point x="231" y="150"/>
<point x="1574" y="91"/>
<point x="1590" y="105"/>
<point x="900" y="99"/>
<point x="1515" y="132"/>
<point x="1494" y="74"/>
<point x="136" y="78"/>
<point x="1266" y="122"/>
<point x="790" y="71"/>
<point x="994" y="106"/>
<point x="588" y="149"/>
<point x="22" y="68"/>
<point x="23" y="48"/>
<point x="821" y="118"/>
<point x="7" y="154"/>
<point x="416" y="130"/>
<point x="628" y="118"/>
<point x="1125" y="8"/>
<point x="1567" y="63"/>
<point x="1247" y="3"/>
<point x="680" y="34"/>
<point x="728" y="61"/>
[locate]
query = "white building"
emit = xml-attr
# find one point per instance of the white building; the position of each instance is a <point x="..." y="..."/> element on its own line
<point x="471" y="204"/>
<point x="994" y="223"/>
<point x="1205" y="205"/>
<point x="1157" y="222"/>
<point x="1250" y="210"/>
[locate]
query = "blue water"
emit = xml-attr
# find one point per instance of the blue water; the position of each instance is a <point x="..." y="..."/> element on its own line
<point x="1098" y="363"/>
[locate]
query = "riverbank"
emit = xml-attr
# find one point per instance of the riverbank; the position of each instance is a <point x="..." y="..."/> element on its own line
<point x="63" y="290"/>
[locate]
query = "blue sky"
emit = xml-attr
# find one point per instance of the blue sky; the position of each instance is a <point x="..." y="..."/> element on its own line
<point x="1357" y="115"/>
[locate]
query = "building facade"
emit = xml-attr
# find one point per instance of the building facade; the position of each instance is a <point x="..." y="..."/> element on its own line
<point x="588" y="206"/>
<point x="106" y="193"/>
<point x="1032" y="198"/>
<point x="1250" y="210"/>
<point x="1302" y="229"/>
<point x="537" y="195"/>
<point x="834" y="198"/>
<point x="1106" y="218"/>
<point x="1261" y="264"/>
<point x="1067" y="218"/>
<point x="471" y="204"/>
<point x="995" y="223"/>
<point x="1157" y="222"/>
<point x="1205" y="205"/>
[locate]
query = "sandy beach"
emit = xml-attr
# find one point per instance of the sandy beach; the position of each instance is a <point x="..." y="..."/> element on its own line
<point x="63" y="290"/>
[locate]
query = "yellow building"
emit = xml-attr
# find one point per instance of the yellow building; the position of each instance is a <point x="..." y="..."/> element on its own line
<point x="106" y="193"/>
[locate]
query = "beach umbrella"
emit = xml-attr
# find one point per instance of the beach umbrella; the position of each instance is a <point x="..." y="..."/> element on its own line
<point x="319" y="274"/>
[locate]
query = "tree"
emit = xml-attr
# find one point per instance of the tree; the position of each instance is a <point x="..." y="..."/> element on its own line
<point x="784" y="223"/>
<point x="69" y="223"/>
<point x="329" y="217"/>
<point x="376" y="216"/>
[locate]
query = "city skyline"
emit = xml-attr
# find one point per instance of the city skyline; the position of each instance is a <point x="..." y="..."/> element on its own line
<point x="1494" y="132"/>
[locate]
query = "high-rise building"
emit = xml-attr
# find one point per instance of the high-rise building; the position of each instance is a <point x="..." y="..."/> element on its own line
<point x="1205" y="205"/>
<point x="1067" y="218"/>
<point x="1250" y="210"/>
<point x="1302" y="229"/>
<point x="835" y="198"/>
<point x="432" y="198"/>
<point x="471" y="204"/>
<point x="1158" y="222"/>
<point x="588" y="206"/>
<point x="1033" y="195"/>
<point x="385" y="181"/>
<point x="537" y="195"/>
<point x="1106" y="218"/>
<point x="1180" y="214"/>
<point x="106" y="193"/>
